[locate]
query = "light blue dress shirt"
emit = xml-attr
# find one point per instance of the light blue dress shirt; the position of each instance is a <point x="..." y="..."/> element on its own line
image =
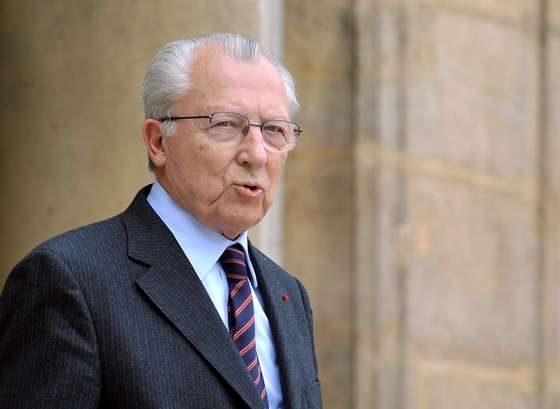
<point x="203" y="247"/>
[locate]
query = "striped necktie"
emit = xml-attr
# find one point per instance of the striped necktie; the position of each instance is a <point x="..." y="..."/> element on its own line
<point x="241" y="314"/>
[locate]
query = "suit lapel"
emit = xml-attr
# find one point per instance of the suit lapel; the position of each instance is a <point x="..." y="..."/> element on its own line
<point x="282" y="319"/>
<point x="176" y="291"/>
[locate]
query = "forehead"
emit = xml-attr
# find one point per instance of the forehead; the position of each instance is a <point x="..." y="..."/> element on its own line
<point x="217" y="78"/>
<point x="212" y="64"/>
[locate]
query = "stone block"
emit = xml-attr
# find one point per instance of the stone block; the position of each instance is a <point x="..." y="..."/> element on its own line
<point x="515" y="12"/>
<point x="318" y="230"/>
<point x="472" y="271"/>
<point x="470" y="104"/>
<point x="463" y="391"/>
<point x="553" y="17"/>
<point x="321" y="61"/>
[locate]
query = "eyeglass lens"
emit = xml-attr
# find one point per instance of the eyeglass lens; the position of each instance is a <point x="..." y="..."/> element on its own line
<point x="277" y="134"/>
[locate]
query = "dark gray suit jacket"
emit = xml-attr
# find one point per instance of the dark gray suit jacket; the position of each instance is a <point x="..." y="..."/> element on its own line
<point x="112" y="315"/>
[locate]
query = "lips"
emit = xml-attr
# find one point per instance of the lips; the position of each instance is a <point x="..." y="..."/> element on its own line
<point x="250" y="185"/>
<point x="249" y="189"/>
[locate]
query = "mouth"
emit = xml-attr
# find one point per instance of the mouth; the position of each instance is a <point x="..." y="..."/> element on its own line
<point x="249" y="189"/>
<point x="253" y="188"/>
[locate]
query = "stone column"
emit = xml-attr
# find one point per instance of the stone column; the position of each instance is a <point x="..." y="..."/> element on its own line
<point x="380" y="251"/>
<point x="319" y="182"/>
<point x="459" y="305"/>
<point x="268" y="234"/>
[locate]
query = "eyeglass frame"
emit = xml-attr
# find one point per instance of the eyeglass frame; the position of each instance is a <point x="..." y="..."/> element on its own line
<point x="298" y="131"/>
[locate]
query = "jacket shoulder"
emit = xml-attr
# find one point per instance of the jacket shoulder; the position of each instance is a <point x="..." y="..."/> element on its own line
<point x="96" y="238"/>
<point x="98" y="246"/>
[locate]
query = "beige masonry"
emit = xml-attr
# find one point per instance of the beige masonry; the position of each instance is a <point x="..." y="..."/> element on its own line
<point x="71" y="150"/>
<point x="550" y="217"/>
<point x="429" y="152"/>
<point x="421" y="208"/>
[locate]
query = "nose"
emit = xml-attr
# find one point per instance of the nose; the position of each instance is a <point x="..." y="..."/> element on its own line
<point x="252" y="152"/>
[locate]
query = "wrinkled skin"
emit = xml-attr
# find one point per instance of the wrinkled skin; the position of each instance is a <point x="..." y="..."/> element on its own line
<point x="227" y="188"/>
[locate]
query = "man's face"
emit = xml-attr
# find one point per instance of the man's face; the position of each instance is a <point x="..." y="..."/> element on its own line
<point x="227" y="188"/>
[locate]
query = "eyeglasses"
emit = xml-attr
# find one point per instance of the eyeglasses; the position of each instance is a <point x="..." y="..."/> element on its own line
<point x="229" y="127"/>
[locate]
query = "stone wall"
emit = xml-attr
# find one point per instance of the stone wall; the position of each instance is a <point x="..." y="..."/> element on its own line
<point x="423" y="200"/>
<point x="71" y="150"/>
<point x="421" y="208"/>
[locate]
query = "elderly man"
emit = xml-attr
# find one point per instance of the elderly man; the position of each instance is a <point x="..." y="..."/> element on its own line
<point x="168" y="305"/>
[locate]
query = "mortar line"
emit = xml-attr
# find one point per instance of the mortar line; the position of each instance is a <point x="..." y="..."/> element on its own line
<point x="402" y="134"/>
<point x="354" y="114"/>
<point x="541" y="210"/>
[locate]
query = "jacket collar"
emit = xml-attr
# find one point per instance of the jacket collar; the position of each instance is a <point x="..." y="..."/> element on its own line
<point x="168" y="281"/>
<point x="283" y="321"/>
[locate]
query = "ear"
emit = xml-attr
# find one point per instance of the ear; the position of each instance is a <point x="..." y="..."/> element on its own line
<point x="154" y="142"/>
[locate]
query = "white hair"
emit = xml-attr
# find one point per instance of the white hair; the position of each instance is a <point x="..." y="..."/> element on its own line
<point x="168" y="77"/>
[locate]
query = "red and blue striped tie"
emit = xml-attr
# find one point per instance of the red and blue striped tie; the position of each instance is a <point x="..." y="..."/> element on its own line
<point x="241" y="314"/>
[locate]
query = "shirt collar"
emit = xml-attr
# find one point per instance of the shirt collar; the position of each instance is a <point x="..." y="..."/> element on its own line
<point x="202" y="246"/>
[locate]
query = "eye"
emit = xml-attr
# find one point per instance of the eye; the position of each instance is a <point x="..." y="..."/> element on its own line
<point x="273" y="129"/>
<point x="225" y="123"/>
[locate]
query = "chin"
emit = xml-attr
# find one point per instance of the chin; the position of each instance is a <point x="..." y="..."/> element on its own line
<point x="245" y="224"/>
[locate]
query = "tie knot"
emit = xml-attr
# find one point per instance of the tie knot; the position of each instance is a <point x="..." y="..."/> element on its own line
<point x="233" y="262"/>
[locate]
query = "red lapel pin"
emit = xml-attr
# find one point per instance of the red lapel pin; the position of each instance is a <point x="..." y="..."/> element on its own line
<point x="285" y="297"/>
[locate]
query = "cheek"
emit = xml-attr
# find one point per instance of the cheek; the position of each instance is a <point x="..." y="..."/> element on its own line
<point x="200" y="171"/>
<point x="274" y="171"/>
<point x="275" y="167"/>
<point x="188" y="160"/>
